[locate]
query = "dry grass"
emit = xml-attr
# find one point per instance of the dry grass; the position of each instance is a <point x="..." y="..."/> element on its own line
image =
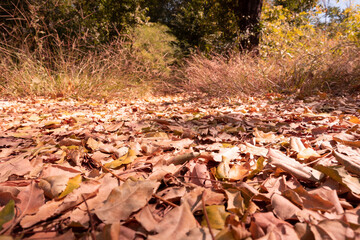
<point x="332" y="67"/>
<point x="113" y="71"/>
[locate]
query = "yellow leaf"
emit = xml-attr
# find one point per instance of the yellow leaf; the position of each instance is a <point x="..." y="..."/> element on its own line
<point x="354" y="119"/>
<point x="92" y="144"/>
<point x="72" y="184"/>
<point x="217" y="216"/>
<point x="129" y="157"/>
<point x="34" y="117"/>
<point x="156" y="135"/>
<point x="307" y="153"/>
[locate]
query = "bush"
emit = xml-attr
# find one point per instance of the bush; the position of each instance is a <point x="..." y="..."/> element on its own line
<point x="134" y="64"/>
<point x="296" y="57"/>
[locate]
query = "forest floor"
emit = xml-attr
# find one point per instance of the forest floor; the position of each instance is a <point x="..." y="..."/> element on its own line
<point x="273" y="167"/>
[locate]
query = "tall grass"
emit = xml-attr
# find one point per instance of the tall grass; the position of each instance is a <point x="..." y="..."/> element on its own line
<point x="112" y="70"/>
<point x="292" y="59"/>
<point x="331" y="68"/>
<point x="295" y="57"/>
<point x="38" y="62"/>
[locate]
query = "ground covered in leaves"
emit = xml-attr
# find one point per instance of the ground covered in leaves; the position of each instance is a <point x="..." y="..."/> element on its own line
<point x="273" y="167"/>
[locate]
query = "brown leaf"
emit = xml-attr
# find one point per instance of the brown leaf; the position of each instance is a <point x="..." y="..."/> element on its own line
<point x="126" y="199"/>
<point x="295" y="168"/>
<point x="198" y="174"/>
<point x="18" y="166"/>
<point x="351" y="163"/>
<point x="267" y="223"/>
<point x="117" y="231"/>
<point x="332" y="230"/>
<point x="31" y="199"/>
<point x="283" y="208"/>
<point x="45" y="211"/>
<point x="193" y="198"/>
<point x="176" y="224"/>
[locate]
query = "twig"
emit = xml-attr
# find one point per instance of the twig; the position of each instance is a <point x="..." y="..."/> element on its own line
<point x="164" y="200"/>
<point x="206" y="216"/>
<point x="59" y="214"/>
<point x="92" y="232"/>
<point x="317" y="160"/>
<point x="112" y="173"/>
<point x="134" y="170"/>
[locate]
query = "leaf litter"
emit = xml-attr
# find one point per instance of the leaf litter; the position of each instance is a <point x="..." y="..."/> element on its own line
<point x="270" y="167"/>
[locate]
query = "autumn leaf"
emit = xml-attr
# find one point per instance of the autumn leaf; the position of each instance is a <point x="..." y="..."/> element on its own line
<point x="217" y="216"/>
<point x="176" y="224"/>
<point x="333" y="230"/>
<point x="351" y="163"/>
<point x="7" y="213"/>
<point x="340" y="175"/>
<point x="72" y="184"/>
<point x="235" y="172"/>
<point x="292" y="166"/>
<point x="126" y="199"/>
<point x="129" y="157"/>
<point x="258" y="169"/>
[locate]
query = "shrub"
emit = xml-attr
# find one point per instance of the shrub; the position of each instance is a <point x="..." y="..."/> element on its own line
<point x="135" y="63"/>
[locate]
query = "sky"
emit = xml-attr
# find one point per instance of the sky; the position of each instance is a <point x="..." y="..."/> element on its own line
<point x="343" y="3"/>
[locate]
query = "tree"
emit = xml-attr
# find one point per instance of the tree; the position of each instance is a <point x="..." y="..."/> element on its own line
<point x="210" y="25"/>
<point x="297" y="5"/>
<point x="248" y="18"/>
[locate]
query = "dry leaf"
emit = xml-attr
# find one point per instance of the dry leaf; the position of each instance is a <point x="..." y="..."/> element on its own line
<point x="126" y="199"/>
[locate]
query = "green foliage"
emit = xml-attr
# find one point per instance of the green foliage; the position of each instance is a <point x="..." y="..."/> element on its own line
<point x="206" y="25"/>
<point x="285" y="32"/>
<point x="154" y="47"/>
<point x="80" y="23"/>
<point x="296" y="5"/>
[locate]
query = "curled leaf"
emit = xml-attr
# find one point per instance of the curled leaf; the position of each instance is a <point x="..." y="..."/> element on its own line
<point x="293" y="167"/>
<point x="351" y="163"/>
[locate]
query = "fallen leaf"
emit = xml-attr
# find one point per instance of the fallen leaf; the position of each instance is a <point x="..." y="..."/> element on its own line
<point x="129" y="157"/>
<point x="283" y="208"/>
<point x="92" y="144"/>
<point x="176" y="224"/>
<point x="267" y="223"/>
<point x="293" y="167"/>
<point x="340" y="175"/>
<point x="72" y="184"/>
<point x="235" y="172"/>
<point x="217" y="216"/>
<point x="45" y="211"/>
<point x="351" y="163"/>
<point x="257" y="151"/>
<point x="235" y="201"/>
<point x="332" y="230"/>
<point x="258" y="169"/>
<point x="18" y="166"/>
<point x="31" y="199"/>
<point x="53" y="186"/>
<point x="7" y="213"/>
<point x="126" y="199"/>
<point x="117" y="231"/>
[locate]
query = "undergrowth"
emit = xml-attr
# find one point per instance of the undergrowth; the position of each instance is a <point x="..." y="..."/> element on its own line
<point x="295" y="57"/>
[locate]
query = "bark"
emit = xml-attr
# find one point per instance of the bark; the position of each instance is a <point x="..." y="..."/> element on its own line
<point x="248" y="14"/>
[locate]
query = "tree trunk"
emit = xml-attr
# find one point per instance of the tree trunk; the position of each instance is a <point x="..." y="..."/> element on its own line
<point x="248" y="15"/>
